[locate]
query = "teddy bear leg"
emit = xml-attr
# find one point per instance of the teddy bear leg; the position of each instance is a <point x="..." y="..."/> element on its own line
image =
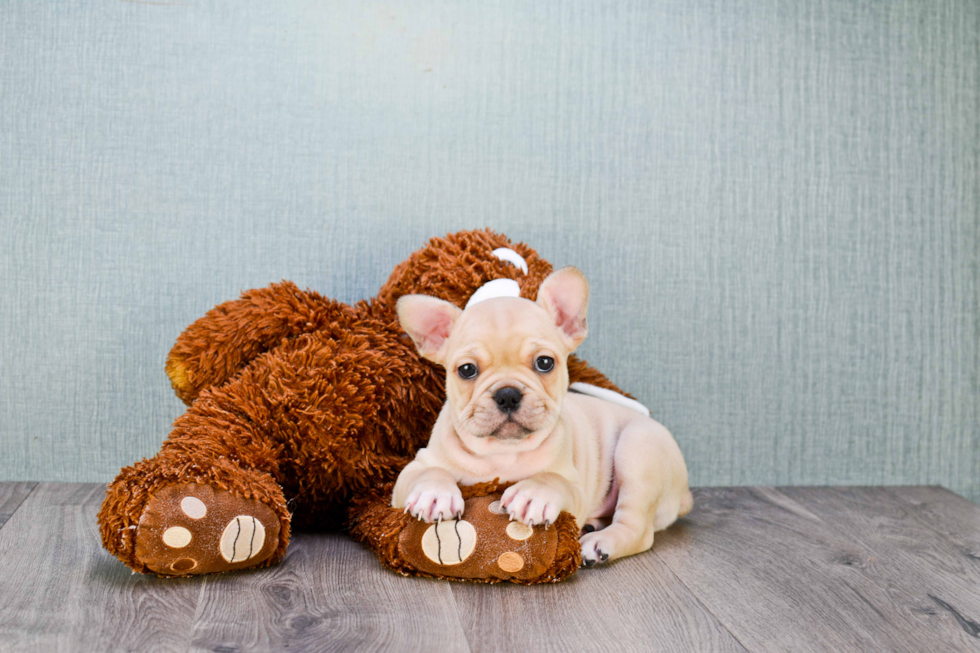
<point x="218" y="345"/>
<point x="208" y="502"/>
<point x="177" y="516"/>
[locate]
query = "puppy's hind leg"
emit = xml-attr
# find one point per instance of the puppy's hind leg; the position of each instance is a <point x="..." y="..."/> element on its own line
<point x="652" y="491"/>
<point x="631" y="531"/>
<point x="596" y="524"/>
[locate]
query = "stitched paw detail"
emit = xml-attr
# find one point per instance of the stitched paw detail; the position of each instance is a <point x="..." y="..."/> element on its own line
<point x="449" y="542"/>
<point x="242" y="539"/>
<point x="188" y="528"/>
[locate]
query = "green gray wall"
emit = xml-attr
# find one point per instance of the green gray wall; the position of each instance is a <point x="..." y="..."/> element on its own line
<point x="777" y="204"/>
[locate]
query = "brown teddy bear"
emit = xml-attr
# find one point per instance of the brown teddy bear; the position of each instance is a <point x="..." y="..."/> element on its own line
<point x="297" y="404"/>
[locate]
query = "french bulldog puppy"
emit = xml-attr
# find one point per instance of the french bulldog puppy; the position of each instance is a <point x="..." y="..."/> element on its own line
<point x="509" y="415"/>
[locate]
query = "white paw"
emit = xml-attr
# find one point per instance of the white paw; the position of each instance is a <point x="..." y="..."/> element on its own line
<point x="435" y="505"/>
<point x="596" y="547"/>
<point x="532" y="503"/>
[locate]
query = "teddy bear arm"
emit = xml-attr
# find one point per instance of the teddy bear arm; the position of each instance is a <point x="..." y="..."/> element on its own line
<point x="215" y="347"/>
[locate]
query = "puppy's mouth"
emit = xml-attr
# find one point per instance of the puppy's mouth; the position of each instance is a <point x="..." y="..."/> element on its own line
<point x="485" y="419"/>
<point x="510" y="429"/>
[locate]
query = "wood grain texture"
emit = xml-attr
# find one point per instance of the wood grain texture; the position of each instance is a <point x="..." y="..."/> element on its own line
<point x="60" y="591"/>
<point x="11" y="496"/>
<point x="329" y="594"/>
<point x="630" y="605"/>
<point x="925" y="549"/>
<point x="758" y="569"/>
<point x="783" y="574"/>
<point x="953" y="516"/>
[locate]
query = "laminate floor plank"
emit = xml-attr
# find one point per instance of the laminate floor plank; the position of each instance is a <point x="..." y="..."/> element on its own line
<point x="633" y="604"/>
<point x="953" y="516"/>
<point x="60" y="591"/>
<point x="780" y="576"/>
<point x="914" y="536"/>
<point x="828" y="569"/>
<point x="11" y="496"/>
<point x="329" y="594"/>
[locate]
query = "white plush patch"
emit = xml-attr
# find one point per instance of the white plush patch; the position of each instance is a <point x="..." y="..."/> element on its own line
<point x="495" y="288"/>
<point x="512" y="257"/>
<point x="449" y="542"/>
<point x="193" y="507"/>
<point x="177" y="537"/>
<point x="495" y="508"/>
<point x="609" y="395"/>
<point x="518" y="531"/>
<point x="242" y="539"/>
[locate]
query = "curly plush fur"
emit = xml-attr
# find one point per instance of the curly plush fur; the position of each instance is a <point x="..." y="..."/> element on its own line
<point x="301" y="402"/>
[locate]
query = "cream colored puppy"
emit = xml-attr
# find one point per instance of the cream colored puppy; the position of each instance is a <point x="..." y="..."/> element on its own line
<point x="509" y="415"/>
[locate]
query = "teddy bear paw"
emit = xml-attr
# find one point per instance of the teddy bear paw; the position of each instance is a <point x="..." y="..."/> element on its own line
<point x="485" y="545"/>
<point x="188" y="528"/>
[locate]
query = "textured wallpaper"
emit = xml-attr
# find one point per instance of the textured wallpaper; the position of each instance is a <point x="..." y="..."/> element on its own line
<point x="777" y="204"/>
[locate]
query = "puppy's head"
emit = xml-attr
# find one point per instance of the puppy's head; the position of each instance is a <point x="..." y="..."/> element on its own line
<point x="505" y="359"/>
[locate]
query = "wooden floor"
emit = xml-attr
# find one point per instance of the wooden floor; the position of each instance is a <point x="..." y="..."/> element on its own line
<point x="759" y="569"/>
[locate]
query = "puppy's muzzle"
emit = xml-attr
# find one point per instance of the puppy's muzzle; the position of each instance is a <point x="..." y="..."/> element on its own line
<point x="508" y="399"/>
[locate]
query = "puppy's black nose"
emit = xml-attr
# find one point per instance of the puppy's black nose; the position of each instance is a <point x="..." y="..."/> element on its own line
<point x="508" y="399"/>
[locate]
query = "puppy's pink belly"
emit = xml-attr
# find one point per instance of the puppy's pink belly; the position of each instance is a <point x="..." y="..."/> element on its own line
<point x="608" y="506"/>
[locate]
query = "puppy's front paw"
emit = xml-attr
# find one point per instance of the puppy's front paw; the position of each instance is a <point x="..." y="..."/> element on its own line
<point x="435" y="504"/>
<point x="596" y="547"/>
<point x="532" y="503"/>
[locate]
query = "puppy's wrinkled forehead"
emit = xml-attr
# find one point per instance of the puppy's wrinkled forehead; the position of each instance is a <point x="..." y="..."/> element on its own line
<point x="503" y="324"/>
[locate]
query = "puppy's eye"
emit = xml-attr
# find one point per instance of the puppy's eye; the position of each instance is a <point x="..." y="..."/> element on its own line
<point x="467" y="371"/>
<point x="544" y="363"/>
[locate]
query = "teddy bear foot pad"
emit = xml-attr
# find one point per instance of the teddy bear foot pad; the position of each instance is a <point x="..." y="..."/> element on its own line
<point x="187" y="528"/>
<point x="484" y="546"/>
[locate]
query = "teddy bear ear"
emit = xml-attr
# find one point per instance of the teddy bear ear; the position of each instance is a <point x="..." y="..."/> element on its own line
<point x="428" y="321"/>
<point x="565" y="295"/>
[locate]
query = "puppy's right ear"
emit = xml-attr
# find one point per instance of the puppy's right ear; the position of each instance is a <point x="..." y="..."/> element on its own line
<point x="565" y="295"/>
<point x="428" y="321"/>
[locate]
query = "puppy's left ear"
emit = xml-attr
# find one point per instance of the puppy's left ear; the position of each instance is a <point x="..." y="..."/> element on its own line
<point x="428" y="321"/>
<point x="565" y="295"/>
